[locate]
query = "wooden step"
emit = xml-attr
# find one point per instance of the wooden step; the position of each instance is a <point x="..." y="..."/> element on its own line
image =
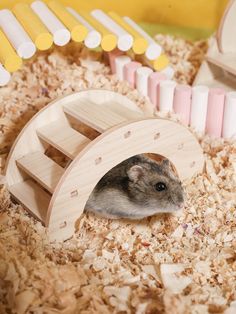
<point x="32" y="197"/>
<point x="64" y="138"/>
<point x="123" y="111"/>
<point x="42" y="169"/>
<point x="93" y="115"/>
<point x="224" y="61"/>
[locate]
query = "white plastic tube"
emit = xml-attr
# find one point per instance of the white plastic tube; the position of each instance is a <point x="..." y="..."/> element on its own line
<point x="229" y="120"/>
<point x="93" y="39"/>
<point x="120" y="62"/>
<point x="199" y="108"/>
<point x="16" y="34"/>
<point x="169" y="72"/>
<point x="166" y="95"/>
<point x="125" y="40"/>
<point x="142" y="74"/>
<point x="61" y="35"/>
<point x="153" y="50"/>
<point x="5" y="76"/>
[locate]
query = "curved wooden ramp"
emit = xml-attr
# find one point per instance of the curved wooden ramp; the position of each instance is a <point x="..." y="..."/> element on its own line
<point x="96" y="129"/>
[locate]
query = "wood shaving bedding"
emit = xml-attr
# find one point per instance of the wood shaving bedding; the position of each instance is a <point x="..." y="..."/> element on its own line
<point x="173" y="264"/>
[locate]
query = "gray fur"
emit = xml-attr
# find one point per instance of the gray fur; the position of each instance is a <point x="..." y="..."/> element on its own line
<point x="128" y="190"/>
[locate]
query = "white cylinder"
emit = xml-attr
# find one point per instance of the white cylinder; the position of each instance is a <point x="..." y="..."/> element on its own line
<point x="169" y="72"/>
<point x="125" y="40"/>
<point x="16" y="34"/>
<point x="153" y="50"/>
<point x="120" y="62"/>
<point x="199" y="108"/>
<point x="142" y="74"/>
<point x="61" y="35"/>
<point x="5" y="76"/>
<point x="229" y="120"/>
<point x="93" y="39"/>
<point x="166" y="95"/>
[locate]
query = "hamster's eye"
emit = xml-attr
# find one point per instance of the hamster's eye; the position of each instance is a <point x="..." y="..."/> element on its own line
<point x="160" y="186"/>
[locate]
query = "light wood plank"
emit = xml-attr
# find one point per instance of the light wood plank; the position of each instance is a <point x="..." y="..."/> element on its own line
<point x="224" y="61"/>
<point x="95" y="116"/>
<point x="64" y="138"/>
<point x="33" y="198"/>
<point x="42" y="169"/>
<point x="122" y="110"/>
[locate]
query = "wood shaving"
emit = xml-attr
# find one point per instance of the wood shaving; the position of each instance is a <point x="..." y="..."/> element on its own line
<point x="116" y="266"/>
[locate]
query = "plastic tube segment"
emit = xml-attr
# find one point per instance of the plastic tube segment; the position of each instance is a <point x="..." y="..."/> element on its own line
<point x="182" y="103"/>
<point x="8" y="57"/>
<point x="153" y="86"/>
<point x="109" y="40"/>
<point x="142" y="75"/>
<point x="125" y="40"/>
<point x="153" y="50"/>
<point x="120" y="62"/>
<point x="78" y="31"/>
<point x="93" y="38"/>
<point x="16" y="34"/>
<point x="229" y="124"/>
<point x="166" y="96"/>
<point x="61" y="35"/>
<point x="5" y="76"/>
<point x="33" y="26"/>
<point x="140" y="44"/>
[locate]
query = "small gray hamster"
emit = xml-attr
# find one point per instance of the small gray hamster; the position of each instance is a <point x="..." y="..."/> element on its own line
<point x="136" y="188"/>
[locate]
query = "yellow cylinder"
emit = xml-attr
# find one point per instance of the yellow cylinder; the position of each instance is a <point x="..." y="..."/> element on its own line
<point x="8" y="57"/>
<point x="160" y="63"/>
<point x="33" y="26"/>
<point x="109" y="40"/>
<point x="78" y="31"/>
<point x="140" y="44"/>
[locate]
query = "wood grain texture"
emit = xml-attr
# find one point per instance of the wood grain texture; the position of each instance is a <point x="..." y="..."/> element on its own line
<point x="64" y="138"/>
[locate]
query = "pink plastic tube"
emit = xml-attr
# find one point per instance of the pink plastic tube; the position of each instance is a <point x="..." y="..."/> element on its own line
<point x="129" y="72"/>
<point x="215" y="112"/>
<point x="111" y="58"/>
<point x="182" y="102"/>
<point x="153" y="86"/>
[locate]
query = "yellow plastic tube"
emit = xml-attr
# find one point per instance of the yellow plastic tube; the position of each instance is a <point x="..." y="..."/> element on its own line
<point x="109" y="40"/>
<point x="140" y="43"/>
<point x="78" y="31"/>
<point x="8" y="57"/>
<point x="40" y="35"/>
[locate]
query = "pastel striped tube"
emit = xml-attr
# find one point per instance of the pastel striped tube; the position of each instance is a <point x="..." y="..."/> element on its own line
<point x="37" y="31"/>
<point x="182" y="103"/>
<point x="77" y="30"/>
<point x="199" y="108"/>
<point x="112" y="55"/>
<point x="166" y="95"/>
<point x="142" y="75"/>
<point x="120" y="62"/>
<point x="125" y="40"/>
<point x="8" y="57"/>
<point x="154" y="50"/>
<point x="169" y="72"/>
<point x="93" y="39"/>
<point x="154" y="80"/>
<point x="16" y="34"/>
<point x="215" y="112"/>
<point x="61" y="35"/>
<point x="109" y="40"/>
<point x="130" y="72"/>
<point x="140" y="44"/>
<point x="5" y="76"/>
<point x="229" y="120"/>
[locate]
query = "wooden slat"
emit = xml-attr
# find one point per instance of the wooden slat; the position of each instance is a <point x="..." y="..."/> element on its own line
<point x="93" y="115"/>
<point x="121" y="110"/>
<point x="224" y="61"/>
<point x="42" y="169"/>
<point x="32" y="197"/>
<point x="64" y="138"/>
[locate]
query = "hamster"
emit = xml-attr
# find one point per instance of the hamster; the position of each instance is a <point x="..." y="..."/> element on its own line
<point x="136" y="188"/>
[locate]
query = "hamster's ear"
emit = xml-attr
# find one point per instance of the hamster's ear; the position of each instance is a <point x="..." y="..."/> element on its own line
<point x="165" y="163"/>
<point x="135" y="173"/>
